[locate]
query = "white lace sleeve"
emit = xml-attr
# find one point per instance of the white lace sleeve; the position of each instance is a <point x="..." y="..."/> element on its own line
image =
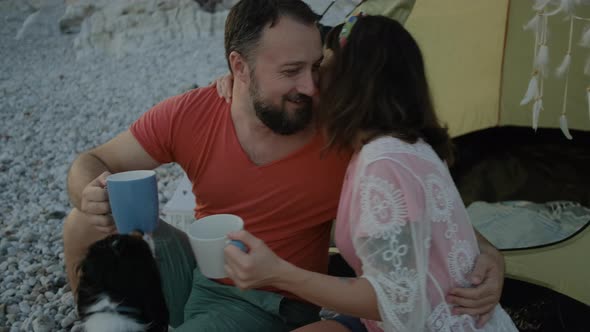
<point x="413" y="237"/>
<point x="392" y="242"/>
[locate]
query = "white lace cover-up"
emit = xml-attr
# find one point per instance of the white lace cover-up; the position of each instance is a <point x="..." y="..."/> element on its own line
<point x="402" y="225"/>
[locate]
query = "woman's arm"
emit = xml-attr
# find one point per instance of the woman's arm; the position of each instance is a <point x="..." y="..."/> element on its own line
<point x="261" y="267"/>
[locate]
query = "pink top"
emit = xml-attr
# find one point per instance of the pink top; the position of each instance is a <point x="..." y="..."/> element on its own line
<point x="402" y="225"/>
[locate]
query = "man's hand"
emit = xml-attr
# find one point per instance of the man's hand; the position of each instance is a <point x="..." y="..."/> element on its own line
<point x="95" y="204"/>
<point x="488" y="279"/>
<point x="259" y="267"/>
<point x="224" y="85"/>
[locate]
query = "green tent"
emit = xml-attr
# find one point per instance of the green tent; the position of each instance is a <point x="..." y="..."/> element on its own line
<point x="480" y="61"/>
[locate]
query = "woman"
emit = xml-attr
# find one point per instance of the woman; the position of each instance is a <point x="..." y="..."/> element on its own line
<point x="401" y="223"/>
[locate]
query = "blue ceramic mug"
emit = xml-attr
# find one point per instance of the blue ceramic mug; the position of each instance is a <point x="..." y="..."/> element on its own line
<point x="133" y="197"/>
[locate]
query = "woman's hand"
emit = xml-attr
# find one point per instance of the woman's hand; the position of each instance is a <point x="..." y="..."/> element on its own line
<point x="258" y="267"/>
<point x="224" y="85"/>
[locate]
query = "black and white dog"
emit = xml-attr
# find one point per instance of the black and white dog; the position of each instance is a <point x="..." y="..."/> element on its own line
<point x="120" y="288"/>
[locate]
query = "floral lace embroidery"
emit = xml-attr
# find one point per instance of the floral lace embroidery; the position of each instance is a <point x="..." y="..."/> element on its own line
<point x="383" y="209"/>
<point x="404" y="288"/>
<point x="438" y="199"/>
<point x="440" y="318"/>
<point x="383" y="216"/>
<point x="461" y="260"/>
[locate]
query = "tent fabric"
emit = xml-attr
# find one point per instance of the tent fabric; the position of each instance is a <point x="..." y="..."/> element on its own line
<point x="562" y="266"/>
<point x="463" y="47"/>
<point x="513" y="163"/>
<point x="479" y="61"/>
<point x="398" y="10"/>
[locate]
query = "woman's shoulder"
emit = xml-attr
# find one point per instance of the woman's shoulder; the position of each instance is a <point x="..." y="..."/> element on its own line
<point x="392" y="148"/>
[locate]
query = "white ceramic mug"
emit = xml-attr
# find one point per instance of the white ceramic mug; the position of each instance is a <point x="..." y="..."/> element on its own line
<point x="208" y="238"/>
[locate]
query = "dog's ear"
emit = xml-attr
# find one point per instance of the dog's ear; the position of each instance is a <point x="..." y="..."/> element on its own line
<point x="147" y="238"/>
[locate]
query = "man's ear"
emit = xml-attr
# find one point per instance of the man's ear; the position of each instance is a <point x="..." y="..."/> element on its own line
<point x="239" y="66"/>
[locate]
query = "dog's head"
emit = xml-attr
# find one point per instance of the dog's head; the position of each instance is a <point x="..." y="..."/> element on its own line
<point x="120" y="288"/>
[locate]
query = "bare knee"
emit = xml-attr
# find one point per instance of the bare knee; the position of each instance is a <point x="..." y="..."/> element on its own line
<point x="322" y="326"/>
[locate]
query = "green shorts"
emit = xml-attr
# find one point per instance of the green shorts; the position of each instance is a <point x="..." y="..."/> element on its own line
<point x="198" y="304"/>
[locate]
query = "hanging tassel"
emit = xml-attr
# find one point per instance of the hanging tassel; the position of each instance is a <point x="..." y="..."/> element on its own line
<point x="587" y="67"/>
<point x="533" y="24"/>
<point x="566" y="6"/>
<point x="532" y="90"/>
<point x="565" y="65"/>
<point x="536" y="111"/>
<point x="540" y="4"/>
<point x="543" y="59"/>
<point x="564" y="128"/>
<point x="585" y="40"/>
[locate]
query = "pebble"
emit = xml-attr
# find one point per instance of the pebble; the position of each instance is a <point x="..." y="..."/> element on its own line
<point x="42" y="324"/>
<point x="54" y="105"/>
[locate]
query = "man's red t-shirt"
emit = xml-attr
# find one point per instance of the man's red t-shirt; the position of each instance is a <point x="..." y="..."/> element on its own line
<point x="287" y="203"/>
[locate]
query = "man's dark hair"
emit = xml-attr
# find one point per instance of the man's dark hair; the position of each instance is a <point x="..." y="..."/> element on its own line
<point x="248" y="18"/>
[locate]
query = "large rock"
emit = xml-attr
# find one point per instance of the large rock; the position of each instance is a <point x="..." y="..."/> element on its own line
<point x="23" y="6"/>
<point x="76" y="12"/>
<point x="123" y="26"/>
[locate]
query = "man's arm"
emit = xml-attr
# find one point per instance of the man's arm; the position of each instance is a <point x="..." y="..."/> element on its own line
<point x="488" y="279"/>
<point x="87" y="175"/>
<point x="122" y="153"/>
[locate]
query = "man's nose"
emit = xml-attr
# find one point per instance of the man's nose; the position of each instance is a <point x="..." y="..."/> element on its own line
<point x="308" y="84"/>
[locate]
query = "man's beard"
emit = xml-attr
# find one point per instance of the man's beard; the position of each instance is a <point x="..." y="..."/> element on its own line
<point x="277" y="118"/>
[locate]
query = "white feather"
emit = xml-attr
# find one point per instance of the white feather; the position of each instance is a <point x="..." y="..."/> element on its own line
<point x="28" y="22"/>
<point x="532" y="90"/>
<point x="587" y="67"/>
<point x="533" y="24"/>
<point x="585" y="40"/>
<point x="536" y="111"/>
<point x="106" y="318"/>
<point x="543" y="59"/>
<point x="540" y="4"/>
<point x="569" y="6"/>
<point x="566" y="6"/>
<point x="564" y="128"/>
<point x="565" y="65"/>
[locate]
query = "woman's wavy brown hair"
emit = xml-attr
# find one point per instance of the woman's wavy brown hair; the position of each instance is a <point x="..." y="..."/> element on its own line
<point x="376" y="84"/>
